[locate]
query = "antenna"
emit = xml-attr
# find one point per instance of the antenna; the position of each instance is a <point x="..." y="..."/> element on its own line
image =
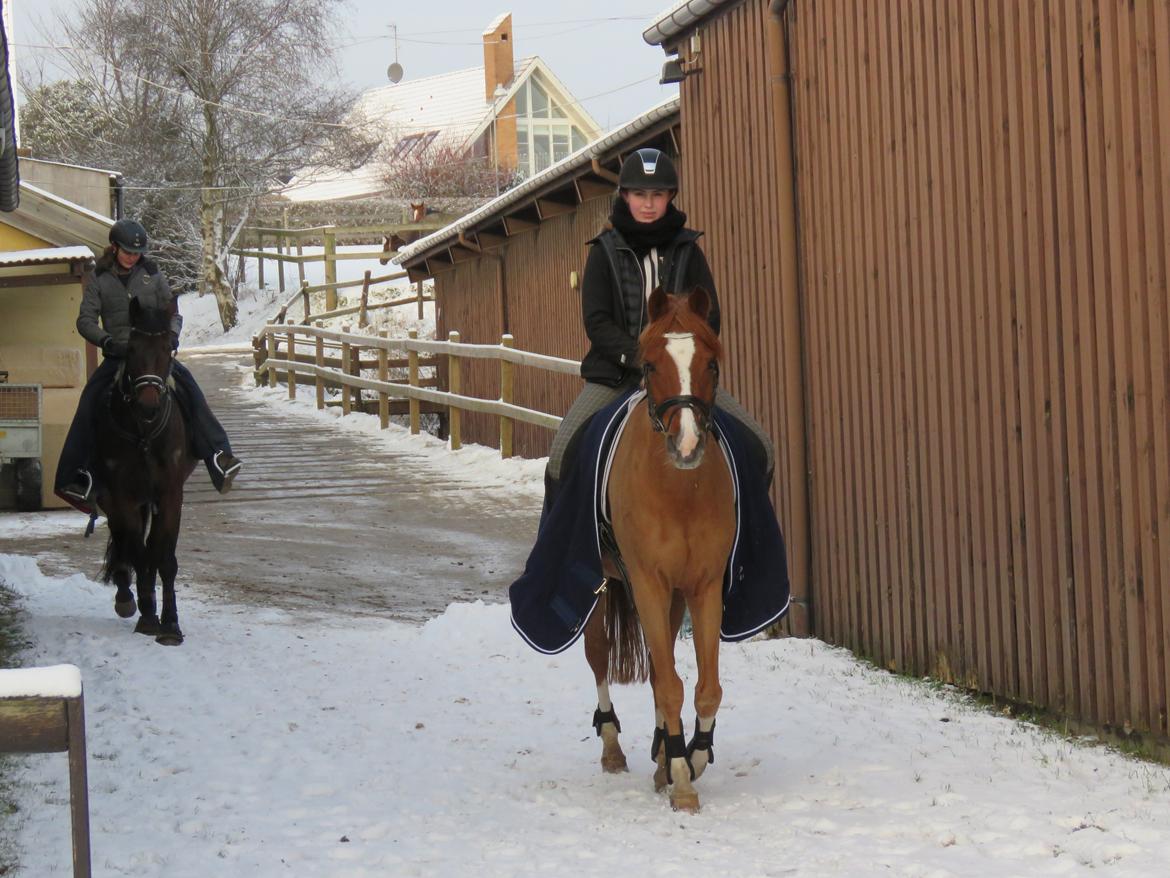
<point x="394" y="71"/>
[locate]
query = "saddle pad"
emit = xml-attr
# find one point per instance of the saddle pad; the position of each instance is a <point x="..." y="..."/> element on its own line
<point x="559" y="589"/>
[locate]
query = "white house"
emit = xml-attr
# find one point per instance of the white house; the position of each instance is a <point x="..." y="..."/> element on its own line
<point x="516" y="114"/>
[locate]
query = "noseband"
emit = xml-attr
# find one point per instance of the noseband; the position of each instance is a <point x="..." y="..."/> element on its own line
<point x="699" y="407"/>
<point x="159" y="382"/>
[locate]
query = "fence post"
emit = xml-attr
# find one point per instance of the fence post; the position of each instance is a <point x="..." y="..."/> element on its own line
<point x="506" y="396"/>
<point x="320" y="362"/>
<point x="282" y="247"/>
<point x="345" y="399"/>
<point x="383" y="375"/>
<point x="260" y="260"/>
<point x="355" y="369"/>
<point x="453" y="386"/>
<point x="305" y="298"/>
<point x="419" y="293"/>
<point x="292" y="355"/>
<point x="412" y="370"/>
<point x="363" y="316"/>
<point x="330" y="269"/>
<point x="271" y="334"/>
<point x="300" y="262"/>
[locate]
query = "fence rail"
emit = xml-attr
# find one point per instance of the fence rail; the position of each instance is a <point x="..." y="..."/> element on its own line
<point x="346" y="376"/>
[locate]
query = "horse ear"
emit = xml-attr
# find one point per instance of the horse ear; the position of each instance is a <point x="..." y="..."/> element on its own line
<point x="658" y="304"/>
<point x="699" y="301"/>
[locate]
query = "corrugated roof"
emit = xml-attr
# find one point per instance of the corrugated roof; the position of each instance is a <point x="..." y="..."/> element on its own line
<point x="678" y="18"/>
<point x="46" y="256"/>
<point x="584" y="156"/>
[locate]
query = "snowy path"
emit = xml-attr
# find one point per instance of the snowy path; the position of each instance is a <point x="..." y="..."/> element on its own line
<point x="380" y="748"/>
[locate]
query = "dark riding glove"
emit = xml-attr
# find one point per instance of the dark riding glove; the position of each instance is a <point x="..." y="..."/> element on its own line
<point x="111" y="348"/>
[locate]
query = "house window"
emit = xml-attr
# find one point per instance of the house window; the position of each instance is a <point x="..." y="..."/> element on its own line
<point x="412" y="143"/>
<point x="544" y="132"/>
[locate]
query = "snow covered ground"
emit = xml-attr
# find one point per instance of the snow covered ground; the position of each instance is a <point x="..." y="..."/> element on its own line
<point x="271" y="745"/>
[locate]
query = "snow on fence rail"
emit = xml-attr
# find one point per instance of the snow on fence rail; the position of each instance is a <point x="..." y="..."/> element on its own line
<point x="344" y="373"/>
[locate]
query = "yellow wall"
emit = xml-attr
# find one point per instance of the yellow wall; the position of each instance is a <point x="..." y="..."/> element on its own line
<point x="43" y="317"/>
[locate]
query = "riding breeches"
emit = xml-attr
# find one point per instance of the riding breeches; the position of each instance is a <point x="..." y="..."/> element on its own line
<point x="594" y="397"/>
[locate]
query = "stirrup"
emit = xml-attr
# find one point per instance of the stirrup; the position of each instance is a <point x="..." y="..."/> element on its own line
<point x="226" y="466"/>
<point x="78" y="492"/>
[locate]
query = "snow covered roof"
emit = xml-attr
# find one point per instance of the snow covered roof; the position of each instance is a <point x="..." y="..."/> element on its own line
<point x="452" y="105"/>
<point x="45" y="256"/>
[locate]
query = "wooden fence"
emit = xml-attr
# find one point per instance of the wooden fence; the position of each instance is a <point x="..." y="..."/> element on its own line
<point x="344" y="372"/>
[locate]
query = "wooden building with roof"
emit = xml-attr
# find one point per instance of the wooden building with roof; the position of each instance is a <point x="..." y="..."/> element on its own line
<point x="514" y="265"/>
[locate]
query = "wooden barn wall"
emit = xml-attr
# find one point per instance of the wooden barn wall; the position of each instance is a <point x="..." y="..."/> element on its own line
<point x="984" y="252"/>
<point x="733" y="191"/>
<point x="544" y="314"/>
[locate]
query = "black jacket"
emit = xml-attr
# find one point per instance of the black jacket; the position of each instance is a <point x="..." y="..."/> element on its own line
<point x="613" y="277"/>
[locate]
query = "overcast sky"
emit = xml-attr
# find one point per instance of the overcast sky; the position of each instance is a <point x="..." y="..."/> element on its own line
<point x="595" y="48"/>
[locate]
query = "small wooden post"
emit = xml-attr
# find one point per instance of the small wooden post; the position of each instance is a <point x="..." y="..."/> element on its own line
<point x="355" y="369"/>
<point x="281" y="248"/>
<point x="292" y="355"/>
<point x="412" y="370"/>
<point x="300" y="262"/>
<point x="419" y="292"/>
<point x="260" y="260"/>
<point x="320" y="361"/>
<point x="271" y="357"/>
<point x="331" y="270"/>
<point x="363" y="316"/>
<point x="506" y="424"/>
<point x="32" y="721"/>
<point x="345" y="398"/>
<point x="383" y="375"/>
<point x="453" y="386"/>
<point x="305" y="298"/>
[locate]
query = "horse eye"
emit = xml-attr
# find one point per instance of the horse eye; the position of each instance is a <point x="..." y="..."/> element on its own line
<point x="713" y="366"/>
<point x="649" y="367"/>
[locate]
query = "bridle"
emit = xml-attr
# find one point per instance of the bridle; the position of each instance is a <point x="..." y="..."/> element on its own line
<point x="698" y="406"/>
<point x="155" y="424"/>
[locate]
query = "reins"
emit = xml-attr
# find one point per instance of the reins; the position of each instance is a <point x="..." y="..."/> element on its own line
<point x="162" y="417"/>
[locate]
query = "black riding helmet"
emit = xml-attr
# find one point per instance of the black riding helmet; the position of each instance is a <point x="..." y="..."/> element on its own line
<point x="648" y="168"/>
<point x="129" y="235"/>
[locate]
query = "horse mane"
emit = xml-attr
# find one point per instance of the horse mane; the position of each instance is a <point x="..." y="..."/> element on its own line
<point x="678" y="317"/>
<point x="151" y="319"/>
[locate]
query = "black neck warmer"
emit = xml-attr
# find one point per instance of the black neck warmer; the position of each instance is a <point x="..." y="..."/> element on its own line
<point x="642" y="236"/>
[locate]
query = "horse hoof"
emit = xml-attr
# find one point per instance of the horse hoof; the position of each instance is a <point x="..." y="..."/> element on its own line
<point x="125" y="609"/>
<point x="614" y="763"/>
<point x="147" y="625"/>
<point x="169" y="635"/>
<point x="660" y="780"/>
<point x="688" y="802"/>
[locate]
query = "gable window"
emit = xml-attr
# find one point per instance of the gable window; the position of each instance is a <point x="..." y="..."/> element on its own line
<point x="544" y="132"/>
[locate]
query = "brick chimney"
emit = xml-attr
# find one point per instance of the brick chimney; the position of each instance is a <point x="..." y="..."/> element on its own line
<point x="498" y="67"/>
<point x="497" y="54"/>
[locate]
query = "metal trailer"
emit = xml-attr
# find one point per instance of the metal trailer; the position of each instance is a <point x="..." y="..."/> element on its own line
<point x="20" y="439"/>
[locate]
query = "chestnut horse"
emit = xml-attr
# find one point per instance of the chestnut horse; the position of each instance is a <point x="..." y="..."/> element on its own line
<point x="144" y="458"/>
<point x="672" y="507"/>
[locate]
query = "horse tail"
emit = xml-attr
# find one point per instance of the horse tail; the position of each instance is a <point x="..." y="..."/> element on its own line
<point x="628" y="657"/>
<point x="111" y="560"/>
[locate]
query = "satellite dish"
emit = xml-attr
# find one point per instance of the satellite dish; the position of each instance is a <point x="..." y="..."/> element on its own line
<point x="394" y="72"/>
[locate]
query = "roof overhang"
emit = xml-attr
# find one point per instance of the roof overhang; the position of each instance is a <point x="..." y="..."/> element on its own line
<point x="588" y="173"/>
<point x="58" y="221"/>
<point x="71" y="264"/>
<point x="669" y="26"/>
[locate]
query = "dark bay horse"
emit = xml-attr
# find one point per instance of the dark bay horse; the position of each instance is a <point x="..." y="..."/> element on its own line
<point x="143" y="460"/>
<point x="672" y="508"/>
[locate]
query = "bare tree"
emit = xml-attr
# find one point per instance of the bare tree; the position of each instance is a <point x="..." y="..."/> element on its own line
<point x="205" y="105"/>
<point x="443" y="175"/>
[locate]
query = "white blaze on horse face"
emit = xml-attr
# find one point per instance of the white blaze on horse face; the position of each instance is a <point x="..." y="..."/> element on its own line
<point x="681" y="347"/>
